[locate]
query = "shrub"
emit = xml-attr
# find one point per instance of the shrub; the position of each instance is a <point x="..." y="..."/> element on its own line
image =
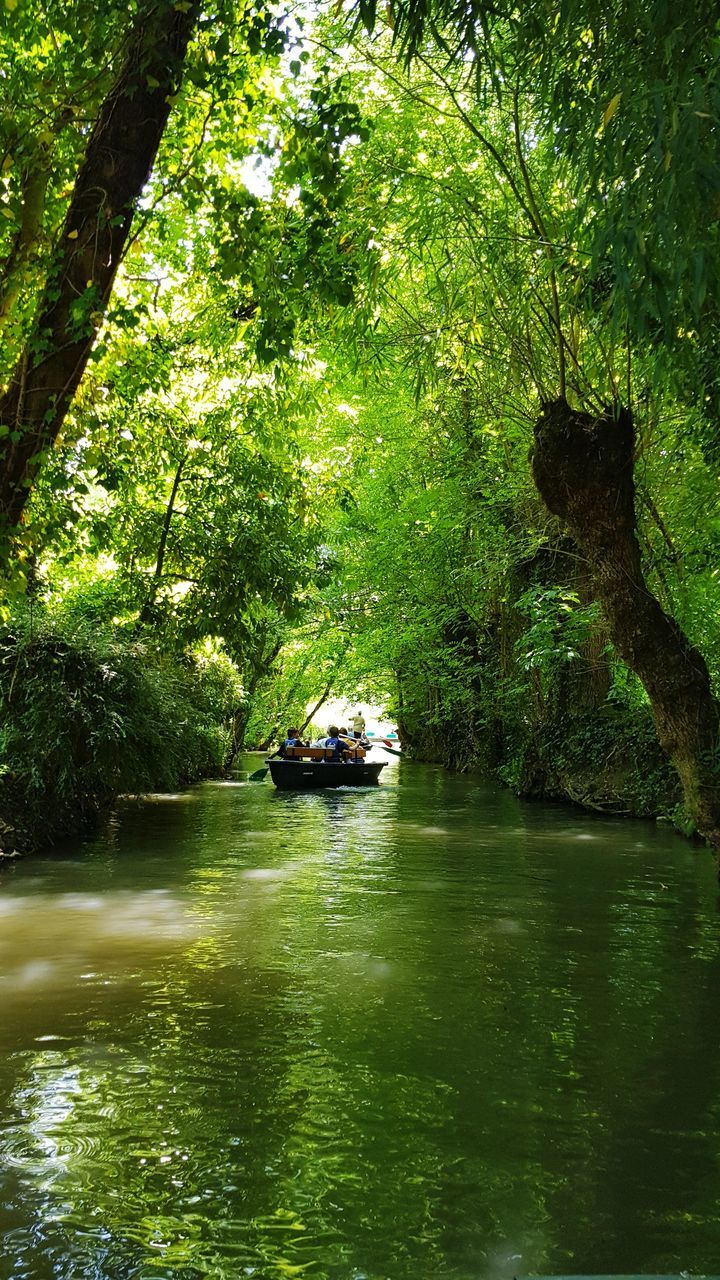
<point x="87" y="714"/>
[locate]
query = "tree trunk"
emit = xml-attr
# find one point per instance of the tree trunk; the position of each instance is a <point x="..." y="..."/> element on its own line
<point x="240" y="718"/>
<point x="283" y="717"/>
<point x="583" y="469"/>
<point x="261" y="666"/>
<point x="148" y="609"/>
<point x="321" y="702"/>
<point x="120" y="154"/>
<point x="16" y="266"/>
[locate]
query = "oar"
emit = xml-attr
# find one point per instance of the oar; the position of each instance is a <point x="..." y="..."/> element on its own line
<point x="259" y="775"/>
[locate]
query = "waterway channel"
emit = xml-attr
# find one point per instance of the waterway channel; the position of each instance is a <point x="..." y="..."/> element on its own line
<point x="418" y="1032"/>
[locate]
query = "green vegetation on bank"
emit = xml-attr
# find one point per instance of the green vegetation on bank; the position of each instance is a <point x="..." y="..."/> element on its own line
<point x="396" y="378"/>
<point x="90" y="715"/>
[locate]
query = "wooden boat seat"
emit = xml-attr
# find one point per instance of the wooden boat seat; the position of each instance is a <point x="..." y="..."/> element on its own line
<point x="321" y="753"/>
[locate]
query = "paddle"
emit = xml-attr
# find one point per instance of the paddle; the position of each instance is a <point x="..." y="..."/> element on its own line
<point x="259" y="775"/>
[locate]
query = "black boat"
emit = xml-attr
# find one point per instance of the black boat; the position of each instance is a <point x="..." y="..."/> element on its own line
<point x="308" y="775"/>
<point x="309" y="768"/>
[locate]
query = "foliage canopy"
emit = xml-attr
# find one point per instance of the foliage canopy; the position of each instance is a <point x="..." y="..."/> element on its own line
<point x="369" y="249"/>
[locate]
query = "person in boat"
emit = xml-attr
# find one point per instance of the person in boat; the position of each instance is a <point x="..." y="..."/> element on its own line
<point x="292" y="739"/>
<point x="358" y="724"/>
<point x="353" y="743"/>
<point x="335" y="743"/>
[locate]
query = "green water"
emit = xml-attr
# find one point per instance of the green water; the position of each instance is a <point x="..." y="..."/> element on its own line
<point x="412" y="1032"/>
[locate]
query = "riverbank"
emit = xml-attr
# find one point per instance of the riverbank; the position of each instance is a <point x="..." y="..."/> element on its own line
<point x="608" y="767"/>
<point x="544" y="706"/>
<point x="89" y="714"/>
<point x="608" y="761"/>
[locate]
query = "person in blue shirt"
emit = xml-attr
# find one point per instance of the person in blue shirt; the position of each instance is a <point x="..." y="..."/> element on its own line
<point x="335" y="742"/>
<point x="293" y="739"/>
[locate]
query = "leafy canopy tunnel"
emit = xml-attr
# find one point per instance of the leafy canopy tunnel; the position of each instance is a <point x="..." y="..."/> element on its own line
<point x="287" y="302"/>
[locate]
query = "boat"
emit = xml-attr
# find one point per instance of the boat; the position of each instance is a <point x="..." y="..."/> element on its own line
<point x="310" y="768"/>
<point x="309" y="775"/>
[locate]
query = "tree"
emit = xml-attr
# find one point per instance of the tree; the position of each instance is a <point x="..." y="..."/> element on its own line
<point x="53" y="85"/>
<point x="615" y="95"/>
<point x="120" y="153"/>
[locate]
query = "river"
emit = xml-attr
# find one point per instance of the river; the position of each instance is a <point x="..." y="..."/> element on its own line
<point x="415" y="1032"/>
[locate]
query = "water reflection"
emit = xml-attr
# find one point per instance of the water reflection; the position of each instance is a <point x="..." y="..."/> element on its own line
<point x="414" y="1032"/>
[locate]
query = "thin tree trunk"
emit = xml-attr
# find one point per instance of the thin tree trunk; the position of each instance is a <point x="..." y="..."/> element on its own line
<point x="401" y="726"/>
<point x="270" y="738"/>
<point x="240" y="719"/>
<point x="148" y="607"/>
<point x="318" y="705"/>
<point x="326" y="691"/>
<point x="284" y="715"/>
<point x="120" y="155"/>
<point x="241" y="716"/>
<point x="583" y="469"/>
<point x="267" y="741"/>
<point x="14" y="272"/>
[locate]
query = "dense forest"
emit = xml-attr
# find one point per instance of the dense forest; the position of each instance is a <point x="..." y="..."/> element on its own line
<point x="368" y="353"/>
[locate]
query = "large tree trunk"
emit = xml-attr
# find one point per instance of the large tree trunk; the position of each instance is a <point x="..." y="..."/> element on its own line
<point x="583" y="469"/>
<point x="120" y="154"/>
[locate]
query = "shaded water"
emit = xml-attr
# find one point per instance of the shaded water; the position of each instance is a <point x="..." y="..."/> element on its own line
<point x="413" y="1032"/>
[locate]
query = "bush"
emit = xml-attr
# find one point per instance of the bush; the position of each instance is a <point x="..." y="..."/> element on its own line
<point x="606" y="758"/>
<point x="87" y="714"/>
